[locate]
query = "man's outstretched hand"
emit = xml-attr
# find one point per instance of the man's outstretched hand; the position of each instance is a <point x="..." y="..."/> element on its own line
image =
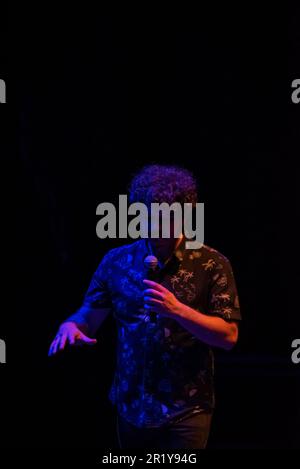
<point x="69" y="334"/>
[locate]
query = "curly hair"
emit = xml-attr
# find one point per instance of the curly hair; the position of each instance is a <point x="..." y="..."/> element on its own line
<point x="163" y="183"/>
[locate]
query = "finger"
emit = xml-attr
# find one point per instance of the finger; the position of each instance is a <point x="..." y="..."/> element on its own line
<point x="87" y="340"/>
<point x="152" y="308"/>
<point x="51" y="349"/>
<point x="55" y="345"/>
<point x="148" y="300"/>
<point x="155" y="293"/>
<point x="77" y="338"/>
<point x="155" y="285"/>
<point x="63" y="341"/>
<point x="91" y="342"/>
<point x="71" y="339"/>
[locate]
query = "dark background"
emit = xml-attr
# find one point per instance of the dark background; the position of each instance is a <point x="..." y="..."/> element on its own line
<point x="92" y="99"/>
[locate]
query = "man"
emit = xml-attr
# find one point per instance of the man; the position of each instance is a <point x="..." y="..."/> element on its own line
<point x="163" y="383"/>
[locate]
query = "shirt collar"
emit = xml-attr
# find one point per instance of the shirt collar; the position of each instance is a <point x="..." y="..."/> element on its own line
<point x="178" y="251"/>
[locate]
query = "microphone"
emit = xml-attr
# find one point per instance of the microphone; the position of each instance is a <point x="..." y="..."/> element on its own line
<point x="150" y="264"/>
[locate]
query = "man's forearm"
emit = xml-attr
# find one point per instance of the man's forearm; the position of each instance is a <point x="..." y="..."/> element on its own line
<point x="212" y="330"/>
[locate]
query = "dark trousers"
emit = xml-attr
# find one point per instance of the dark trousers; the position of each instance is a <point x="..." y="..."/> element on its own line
<point x="187" y="432"/>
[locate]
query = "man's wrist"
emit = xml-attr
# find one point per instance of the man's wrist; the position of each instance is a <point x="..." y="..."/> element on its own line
<point x="180" y="310"/>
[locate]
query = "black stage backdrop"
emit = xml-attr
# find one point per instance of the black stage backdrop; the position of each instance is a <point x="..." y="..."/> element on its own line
<point x="96" y="97"/>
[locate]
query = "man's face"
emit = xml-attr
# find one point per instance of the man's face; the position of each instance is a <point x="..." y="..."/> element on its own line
<point x="164" y="244"/>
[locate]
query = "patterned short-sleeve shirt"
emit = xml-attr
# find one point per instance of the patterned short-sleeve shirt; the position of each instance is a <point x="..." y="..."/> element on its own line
<point x="162" y="371"/>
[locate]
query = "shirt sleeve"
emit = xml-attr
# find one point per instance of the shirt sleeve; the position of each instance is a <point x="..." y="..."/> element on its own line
<point x="223" y="295"/>
<point x="97" y="295"/>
